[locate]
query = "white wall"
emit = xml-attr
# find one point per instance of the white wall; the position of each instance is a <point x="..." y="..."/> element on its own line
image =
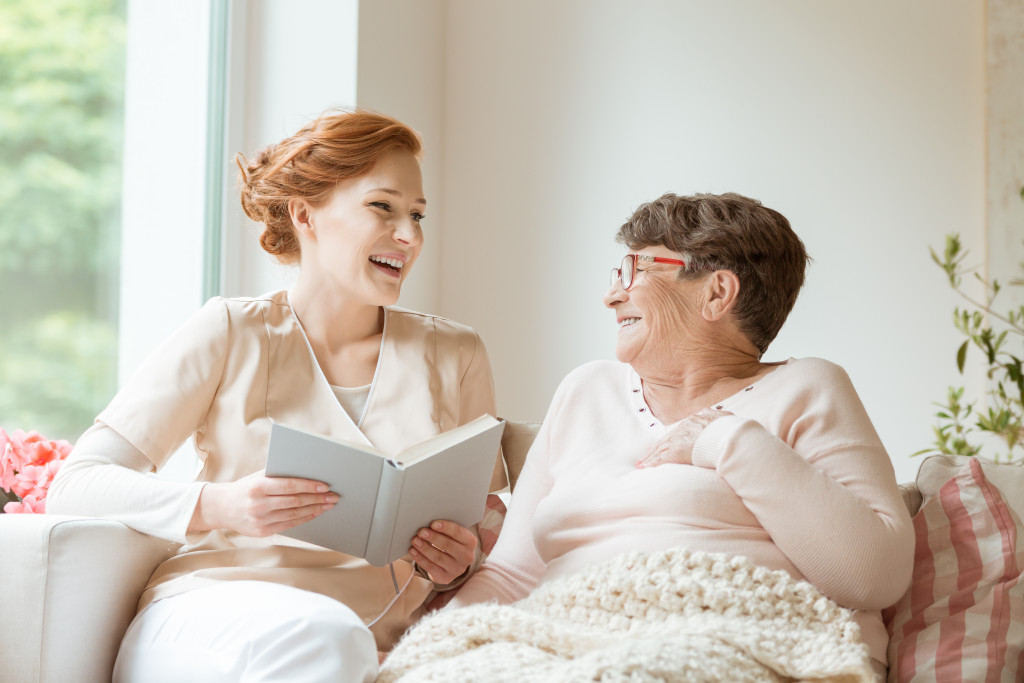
<point x="861" y="122"/>
<point x="1005" y="145"/>
<point x="547" y="122"/>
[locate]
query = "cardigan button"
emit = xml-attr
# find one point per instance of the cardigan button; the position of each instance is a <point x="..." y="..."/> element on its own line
<point x="643" y="409"/>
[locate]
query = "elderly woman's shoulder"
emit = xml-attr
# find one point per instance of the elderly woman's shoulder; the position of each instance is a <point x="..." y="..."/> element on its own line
<point x="818" y="370"/>
<point x="595" y="372"/>
<point x="591" y="379"/>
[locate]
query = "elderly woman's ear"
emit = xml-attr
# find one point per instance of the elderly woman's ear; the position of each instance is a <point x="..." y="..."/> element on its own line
<point x="721" y="292"/>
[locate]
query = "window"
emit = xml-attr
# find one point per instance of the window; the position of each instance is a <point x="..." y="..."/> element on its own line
<point x="62" y="75"/>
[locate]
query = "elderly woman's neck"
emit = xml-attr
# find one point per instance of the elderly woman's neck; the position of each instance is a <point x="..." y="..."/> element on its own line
<point x="704" y="378"/>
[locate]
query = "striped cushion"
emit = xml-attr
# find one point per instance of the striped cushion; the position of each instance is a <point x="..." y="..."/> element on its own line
<point x="963" y="617"/>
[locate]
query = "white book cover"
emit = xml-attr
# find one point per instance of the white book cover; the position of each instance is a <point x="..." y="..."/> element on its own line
<point x="384" y="500"/>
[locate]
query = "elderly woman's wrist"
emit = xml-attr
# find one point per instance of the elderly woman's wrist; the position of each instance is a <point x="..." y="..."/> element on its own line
<point x="711" y="444"/>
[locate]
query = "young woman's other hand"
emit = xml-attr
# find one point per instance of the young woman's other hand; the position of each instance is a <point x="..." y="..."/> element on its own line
<point x="444" y="550"/>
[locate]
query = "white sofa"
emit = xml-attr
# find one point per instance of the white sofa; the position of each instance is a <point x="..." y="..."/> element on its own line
<point x="70" y="585"/>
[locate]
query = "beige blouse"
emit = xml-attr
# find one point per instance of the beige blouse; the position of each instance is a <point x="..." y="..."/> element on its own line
<point x="234" y="368"/>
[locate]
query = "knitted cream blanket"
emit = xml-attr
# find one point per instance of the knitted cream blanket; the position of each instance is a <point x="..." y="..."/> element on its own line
<point x="664" y="616"/>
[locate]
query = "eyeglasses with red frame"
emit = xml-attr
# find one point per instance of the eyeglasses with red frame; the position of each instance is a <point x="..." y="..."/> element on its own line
<point x="625" y="273"/>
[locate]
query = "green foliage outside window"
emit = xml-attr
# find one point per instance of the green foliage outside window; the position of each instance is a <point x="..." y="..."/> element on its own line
<point x="62" y="68"/>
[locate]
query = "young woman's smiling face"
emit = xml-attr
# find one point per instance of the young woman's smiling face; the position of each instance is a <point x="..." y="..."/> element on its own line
<point x="364" y="240"/>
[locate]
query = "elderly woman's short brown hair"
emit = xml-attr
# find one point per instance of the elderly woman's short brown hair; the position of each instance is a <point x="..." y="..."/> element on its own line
<point x="729" y="232"/>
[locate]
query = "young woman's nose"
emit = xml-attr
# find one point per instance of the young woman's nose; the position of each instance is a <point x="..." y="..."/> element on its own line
<point x="408" y="232"/>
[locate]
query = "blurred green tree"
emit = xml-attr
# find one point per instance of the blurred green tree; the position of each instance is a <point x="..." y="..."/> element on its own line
<point x="62" y="65"/>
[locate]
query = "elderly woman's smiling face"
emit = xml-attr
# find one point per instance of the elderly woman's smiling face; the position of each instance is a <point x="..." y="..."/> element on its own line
<point x="656" y="314"/>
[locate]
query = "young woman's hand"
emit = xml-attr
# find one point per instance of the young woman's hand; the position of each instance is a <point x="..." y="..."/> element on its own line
<point x="444" y="550"/>
<point x="258" y="505"/>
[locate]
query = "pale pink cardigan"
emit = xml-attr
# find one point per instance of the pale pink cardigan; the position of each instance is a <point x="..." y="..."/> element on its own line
<point x="796" y="480"/>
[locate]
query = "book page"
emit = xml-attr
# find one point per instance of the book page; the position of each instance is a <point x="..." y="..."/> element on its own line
<point x="434" y="444"/>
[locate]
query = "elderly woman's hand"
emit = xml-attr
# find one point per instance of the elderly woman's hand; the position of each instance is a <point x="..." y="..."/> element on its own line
<point x="677" y="444"/>
<point x="444" y="550"/>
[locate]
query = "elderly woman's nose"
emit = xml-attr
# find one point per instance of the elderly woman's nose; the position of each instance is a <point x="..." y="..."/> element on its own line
<point x="615" y="295"/>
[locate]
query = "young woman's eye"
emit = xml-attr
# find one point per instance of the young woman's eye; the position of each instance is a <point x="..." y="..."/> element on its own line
<point x="417" y="216"/>
<point x="384" y="206"/>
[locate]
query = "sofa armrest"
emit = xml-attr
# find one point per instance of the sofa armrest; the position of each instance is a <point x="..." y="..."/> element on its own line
<point x="515" y="444"/>
<point x="70" y="588"/>
<point x="911" y="497"/>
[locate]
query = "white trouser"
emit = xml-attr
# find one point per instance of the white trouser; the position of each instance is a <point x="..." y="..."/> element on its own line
<point x="246" y="631"/>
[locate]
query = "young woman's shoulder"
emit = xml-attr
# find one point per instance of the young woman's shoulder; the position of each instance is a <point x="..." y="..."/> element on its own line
<point x="273" y="303"/>
<point x="443" y="326"/>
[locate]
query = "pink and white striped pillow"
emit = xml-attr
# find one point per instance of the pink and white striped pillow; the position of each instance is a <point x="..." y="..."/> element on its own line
<point x="963" y="617"/>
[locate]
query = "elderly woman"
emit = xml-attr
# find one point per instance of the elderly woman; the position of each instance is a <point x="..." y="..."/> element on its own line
<point x="692" y="442"/>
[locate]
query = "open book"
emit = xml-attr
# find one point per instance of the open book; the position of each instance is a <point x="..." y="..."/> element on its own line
<point x="385" y="499"/>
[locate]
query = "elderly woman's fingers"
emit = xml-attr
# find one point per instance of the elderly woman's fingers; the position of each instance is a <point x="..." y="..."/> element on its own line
<point x="654" y="458"/>
<point x="676" y="446"/>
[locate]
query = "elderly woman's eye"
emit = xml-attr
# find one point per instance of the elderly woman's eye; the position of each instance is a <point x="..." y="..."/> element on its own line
<point x="417" y="216"/>
<point x="384" y="206"/>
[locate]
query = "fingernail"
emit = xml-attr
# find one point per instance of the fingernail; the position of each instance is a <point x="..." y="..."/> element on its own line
<point x="321" y="488"/>
<point x="437" y="526"/>
<point x="327" y="506"/>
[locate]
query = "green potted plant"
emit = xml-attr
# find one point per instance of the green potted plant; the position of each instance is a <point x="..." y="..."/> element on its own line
<point x="999" y="335"/>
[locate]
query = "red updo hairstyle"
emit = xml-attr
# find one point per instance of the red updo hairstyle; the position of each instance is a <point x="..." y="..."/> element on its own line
<point x="336" y="146"/>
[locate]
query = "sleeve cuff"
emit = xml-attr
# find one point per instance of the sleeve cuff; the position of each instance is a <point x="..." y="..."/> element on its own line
<point x="182" y="534"/>
<point x="714" y="440"/>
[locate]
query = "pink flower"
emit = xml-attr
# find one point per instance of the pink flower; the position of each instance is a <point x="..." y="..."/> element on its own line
<point x="28" y="505"/>
<point x="39" y="451"/>
<point x="28" y="463"/>
<point x="32" y="480"/>
<point x="11" y="459"/>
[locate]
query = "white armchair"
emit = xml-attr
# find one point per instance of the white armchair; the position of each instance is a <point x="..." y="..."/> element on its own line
<point x="69" y="590"/>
